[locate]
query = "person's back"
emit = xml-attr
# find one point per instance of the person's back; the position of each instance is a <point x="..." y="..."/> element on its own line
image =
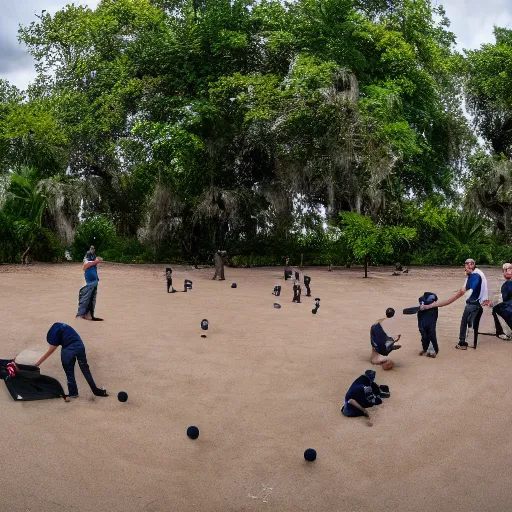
<point x="62" y="334"/>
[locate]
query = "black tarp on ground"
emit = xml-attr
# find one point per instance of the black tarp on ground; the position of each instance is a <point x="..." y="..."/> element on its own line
<point x="28" y="384"/>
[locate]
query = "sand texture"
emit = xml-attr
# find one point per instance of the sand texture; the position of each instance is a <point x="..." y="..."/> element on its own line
<point x="262" y="387"/>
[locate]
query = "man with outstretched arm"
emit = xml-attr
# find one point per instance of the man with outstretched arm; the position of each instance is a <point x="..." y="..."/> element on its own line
<point x="477" y="283"/>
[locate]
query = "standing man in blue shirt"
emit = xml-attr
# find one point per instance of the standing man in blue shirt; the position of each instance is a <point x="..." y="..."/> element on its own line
<point x="477" y="283"/>
<point x="88" y="293"/>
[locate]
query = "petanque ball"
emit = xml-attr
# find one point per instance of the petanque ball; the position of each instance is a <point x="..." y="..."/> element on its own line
<point x="310" y="455"/>
<point x="204" y="324"/>
<point x="193" y="432"/>
<point x="122" y="396"/>
<point x="233" y="285"/>
<point x="277" y="306"/>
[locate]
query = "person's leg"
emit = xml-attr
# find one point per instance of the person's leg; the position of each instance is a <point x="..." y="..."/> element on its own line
<point x="424" y="339"/>
<point x="497" y="323"/>
<point x="92" y="302"/>
<point x="222" y="278"/>
<point x="476" y="324"/>
<point x="464" y="327"/>
<point x="433" y="339"/>
<point x="84" y="366"/>
<point x="68" y="359"/>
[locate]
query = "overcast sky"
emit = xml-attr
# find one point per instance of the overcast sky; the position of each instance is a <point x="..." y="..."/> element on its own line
<point x="471" y="20"/>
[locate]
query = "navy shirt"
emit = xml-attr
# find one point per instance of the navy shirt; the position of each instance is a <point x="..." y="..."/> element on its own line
<point x="474" y="282"/>
<point x="362" y="391"/>
<point x="62" y="334"/>
<point x="379" y="340"/>
<point x="506" y="291"/>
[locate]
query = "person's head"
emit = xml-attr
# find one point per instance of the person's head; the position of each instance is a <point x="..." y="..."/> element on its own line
<point x="92" y="249"/>
<point x="54" y="334"/>
<point x="390" y="313"/>
<point x="507" y="271"/>
<point x="469" y="266"/>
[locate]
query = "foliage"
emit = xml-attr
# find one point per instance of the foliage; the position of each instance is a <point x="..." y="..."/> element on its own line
<point x="98" y="231"/>
<point x="178" y="128"/>
<point x="368" y="241"/>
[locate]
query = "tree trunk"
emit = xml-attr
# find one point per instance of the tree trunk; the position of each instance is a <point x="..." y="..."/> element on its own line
<point x="24" y="256"/>
<point x="366" y="266"/>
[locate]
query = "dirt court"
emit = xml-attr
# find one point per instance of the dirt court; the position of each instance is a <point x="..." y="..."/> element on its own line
<point x="262" y="387"/>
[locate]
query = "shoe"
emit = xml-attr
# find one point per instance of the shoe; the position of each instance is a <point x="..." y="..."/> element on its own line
<point x="433" y="356"/>
<point x="100" y="392"/>
<point x="461" y="347"/>
<point x="73" y="396"/>
<point x="96" y="319"/>
<point x="504" y="337"/>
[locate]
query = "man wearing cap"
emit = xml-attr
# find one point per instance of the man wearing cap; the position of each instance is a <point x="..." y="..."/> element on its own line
<point x="477" y="283"/>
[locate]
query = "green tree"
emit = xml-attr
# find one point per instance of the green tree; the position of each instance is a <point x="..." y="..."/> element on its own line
<point x="368" y="241"/>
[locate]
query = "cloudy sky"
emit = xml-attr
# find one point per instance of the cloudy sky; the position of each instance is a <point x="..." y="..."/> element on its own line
<point x="472" y="21"/>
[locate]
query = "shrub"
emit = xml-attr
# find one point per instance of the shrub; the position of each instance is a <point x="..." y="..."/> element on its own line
<point x="98" y="231"/>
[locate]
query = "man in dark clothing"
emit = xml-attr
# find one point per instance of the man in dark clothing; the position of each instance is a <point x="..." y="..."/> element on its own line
<point x="427" y="321"/>
<point x="73" y="350"/>
<point x="504" y="309"/>
<point x="363" y="393"/>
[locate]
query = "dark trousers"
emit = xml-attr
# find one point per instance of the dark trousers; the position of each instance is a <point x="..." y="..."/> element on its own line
<point x="71" y="354"/>
<point x="428" y="335"/>
<point x="502" y="309"/>
<point x="470" y="318"/>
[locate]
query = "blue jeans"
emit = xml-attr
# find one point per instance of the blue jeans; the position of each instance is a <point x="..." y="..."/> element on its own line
<point x="71" y="354"/>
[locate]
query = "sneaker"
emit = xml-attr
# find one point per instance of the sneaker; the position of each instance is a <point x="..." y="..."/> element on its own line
<point x="462" y="347"/>
<point x="504" y="337"/>
<point x="433" y="356"/>
<point x="73" y="396"/>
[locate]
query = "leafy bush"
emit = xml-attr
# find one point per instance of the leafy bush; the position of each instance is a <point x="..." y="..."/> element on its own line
<point x="98" y="231"/>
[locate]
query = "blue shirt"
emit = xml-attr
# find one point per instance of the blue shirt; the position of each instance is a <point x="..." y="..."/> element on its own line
<point x="91" y="274"/>
<point x="62" y="334"/>
<point x="474" y="282"/>
<point x="506" y="291"/>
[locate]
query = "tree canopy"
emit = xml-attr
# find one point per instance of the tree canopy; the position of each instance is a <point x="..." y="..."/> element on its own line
<point x="199" y="124"/>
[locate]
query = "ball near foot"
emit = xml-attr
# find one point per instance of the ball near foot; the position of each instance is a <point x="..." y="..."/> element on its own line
<point x="122" y="396"/>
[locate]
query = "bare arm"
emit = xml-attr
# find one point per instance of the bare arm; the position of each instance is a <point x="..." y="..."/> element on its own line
<point x="92" y="263"/>
<point x="49" y="352"/>
<point x="355" y="404"/>
<point x="440" y="304"/>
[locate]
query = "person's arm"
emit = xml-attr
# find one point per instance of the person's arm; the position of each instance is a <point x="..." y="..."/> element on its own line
<point x="92" y="263"/>
<point x="49" y="352"/>
<point x="355" y="404"/>
<point x="442" y="303"/>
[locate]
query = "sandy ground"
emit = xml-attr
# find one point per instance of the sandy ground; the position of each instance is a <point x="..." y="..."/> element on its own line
<point x="262" y="387"/>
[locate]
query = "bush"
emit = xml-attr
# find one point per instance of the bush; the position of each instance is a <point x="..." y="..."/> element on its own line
<point x="98" y="231"/>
